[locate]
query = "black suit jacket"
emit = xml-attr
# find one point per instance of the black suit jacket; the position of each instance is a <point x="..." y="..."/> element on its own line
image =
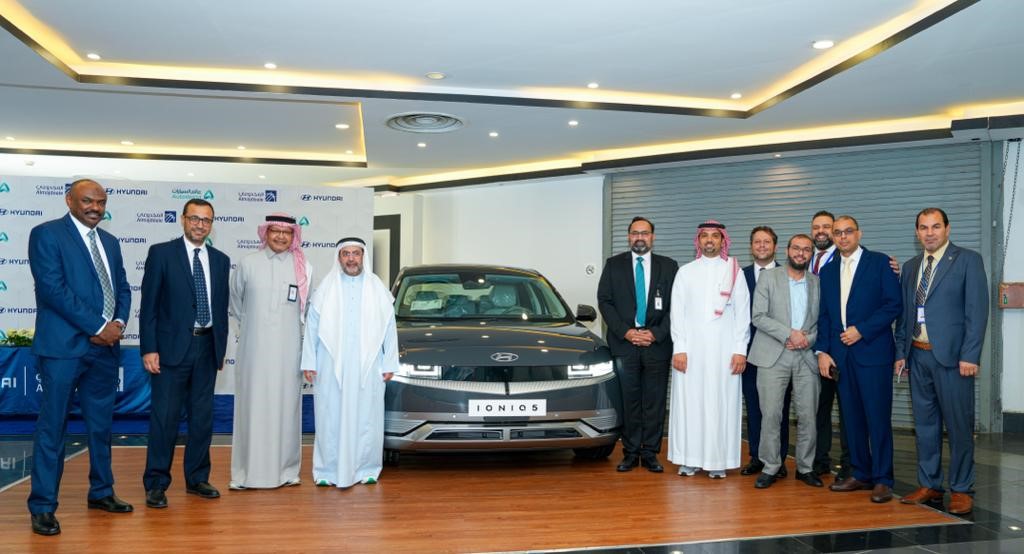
<point x="616" y="298"/>
<point x="168" y="310"/>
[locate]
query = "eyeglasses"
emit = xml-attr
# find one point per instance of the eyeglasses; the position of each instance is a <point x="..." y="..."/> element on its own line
<point x="640" y="233"/>
<point x="807" y="250"/>
<point x="844" y="232"/>
<point x="273" y="231"/>
<point x="196" y="220"/>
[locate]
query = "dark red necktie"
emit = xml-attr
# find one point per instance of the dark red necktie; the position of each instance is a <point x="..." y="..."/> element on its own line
<point x="817" y="261"/>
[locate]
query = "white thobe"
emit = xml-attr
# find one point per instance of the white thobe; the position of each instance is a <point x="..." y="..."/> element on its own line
<point x="266" y="445"/>
<point x="348" y="410"/>
<point x="705" y="415"/>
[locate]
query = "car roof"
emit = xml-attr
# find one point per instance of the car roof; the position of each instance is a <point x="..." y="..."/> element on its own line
<point x="460" y="268"/>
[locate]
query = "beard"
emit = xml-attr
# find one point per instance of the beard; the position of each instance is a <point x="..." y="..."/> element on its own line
<point x="710" y="251"/>
<point x="823" y="244"/>
<point x="640" y="247"/>
<point x="796" y="265"/>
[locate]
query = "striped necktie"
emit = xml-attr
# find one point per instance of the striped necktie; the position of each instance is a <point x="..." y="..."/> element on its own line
<point x="922" y="292"/>
<point x="101" y="271"/>
<point x="202" y="300"/>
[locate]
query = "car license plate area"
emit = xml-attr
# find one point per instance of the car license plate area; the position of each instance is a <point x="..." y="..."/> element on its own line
<point x="508" y="408"/>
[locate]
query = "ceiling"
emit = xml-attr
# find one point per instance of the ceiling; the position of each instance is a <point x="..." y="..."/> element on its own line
<point x="180" y="87"/>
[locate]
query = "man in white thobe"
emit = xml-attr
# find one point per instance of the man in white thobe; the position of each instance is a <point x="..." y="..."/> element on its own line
<point x="710" y="330"/>
<point x="350" y="350"/>
<point x="269" y="289"/>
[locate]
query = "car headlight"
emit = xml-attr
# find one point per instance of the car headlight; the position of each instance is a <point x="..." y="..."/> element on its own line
<point x="586" y="371"/>
<point x="420" y="371"/>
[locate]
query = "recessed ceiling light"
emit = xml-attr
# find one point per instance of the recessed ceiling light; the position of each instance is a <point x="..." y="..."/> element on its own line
<point x="342" y="126"/>
<point x="493" y="134"/>
<point x="30" y="163"/>
<point x="348" y="151"/>
<point x="736" y="95"/>
<point x="117" y="171"/>
<point x="93" y="56"/>
<point x="127" y="143"/>
<point x="593" y="85"/>
<point x="190" y="174"/>
<point x="778" y="155"/>
<point x="270" y="65"/>
<point x="435" y="75"/>
<point x="8" y="138"/>
<point x="262" y="176"/>
<point x="240" y="147"/>
<point x="823" y="44"/>
<point x="421" y="144"/>
<point x="573" y="123"/>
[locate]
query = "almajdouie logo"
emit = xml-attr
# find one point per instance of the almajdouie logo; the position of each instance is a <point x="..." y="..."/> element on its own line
<point x="107" y="216"/>
<point x="4" y="187"/>
<point x="304" y="221"/>
<point x="3" y="237"/>
<point x="208" y="195"/>
<point x="3" y="286"/>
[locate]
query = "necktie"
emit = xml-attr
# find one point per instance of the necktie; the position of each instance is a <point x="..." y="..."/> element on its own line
<point x="817" y="262"/>
<point x="922" y="292"/>
<point x="845" y="280"/>
<point x="199" y="279"/>
<point x="101" y="270"/>
<point x="641" y="294"/>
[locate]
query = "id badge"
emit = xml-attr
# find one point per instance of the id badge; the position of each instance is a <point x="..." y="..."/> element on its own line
<point x="920" y="314"/>
<point x="293" y="293"/>
<point x="657" y="303"/>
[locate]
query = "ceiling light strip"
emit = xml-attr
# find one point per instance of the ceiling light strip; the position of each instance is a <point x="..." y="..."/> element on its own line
<point x="181" y="157"/>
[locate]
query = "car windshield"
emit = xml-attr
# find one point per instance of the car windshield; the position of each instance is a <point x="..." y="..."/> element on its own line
<point x="475" y="295"/>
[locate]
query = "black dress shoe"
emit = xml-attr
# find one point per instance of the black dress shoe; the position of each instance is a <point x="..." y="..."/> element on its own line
<point x="650" y="461"/>
<point x="203" y="489"/>
<point x="110" y="504"/>
<point x="764" y="481"/>
<point x="821" y="469"/>
<point x="809" y="479"/>
<point x="782" y="473"/>
<point x="754" y="466"/>
<point x="156" y="498"/>
<point x="45" y="523"/>
<point x="628" y="463"/>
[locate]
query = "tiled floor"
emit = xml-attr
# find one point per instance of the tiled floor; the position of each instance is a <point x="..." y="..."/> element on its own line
<point x="997" y="520"/>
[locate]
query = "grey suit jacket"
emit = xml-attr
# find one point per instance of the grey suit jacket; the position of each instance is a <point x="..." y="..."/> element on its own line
<point x="956" y="309"/>
<point x="772" y="318"/>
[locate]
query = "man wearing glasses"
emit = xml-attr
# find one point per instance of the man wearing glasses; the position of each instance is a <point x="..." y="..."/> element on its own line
<point x="633" y="296"/>
<point x="183" y="331"/>
<point x="860" y="300"/>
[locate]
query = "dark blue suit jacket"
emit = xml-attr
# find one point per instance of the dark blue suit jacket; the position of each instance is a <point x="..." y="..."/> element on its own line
<point x="874" y="303"/>
<point x="69" y="300"/>
<point x="168" y="310"/>
<point x="955" y="310"/>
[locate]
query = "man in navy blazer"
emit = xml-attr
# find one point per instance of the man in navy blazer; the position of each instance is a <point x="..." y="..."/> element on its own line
<point x="82" y="302"/>
<point x="640" y="340"/>
<point x="183" y="326"/>
<point x="860" y="299"/>
<point x="939" y="336"/>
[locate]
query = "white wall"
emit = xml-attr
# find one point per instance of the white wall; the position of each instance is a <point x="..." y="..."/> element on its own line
<point x="552" y="226"/>
<point x="1013" y="320"/>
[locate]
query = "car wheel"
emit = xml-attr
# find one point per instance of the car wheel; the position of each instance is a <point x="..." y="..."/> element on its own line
<point x="595" y="452"/>
<point x="391" y="457"/>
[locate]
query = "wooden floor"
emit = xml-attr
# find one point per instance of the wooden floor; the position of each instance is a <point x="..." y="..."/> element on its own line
<point x="447" y="503"/>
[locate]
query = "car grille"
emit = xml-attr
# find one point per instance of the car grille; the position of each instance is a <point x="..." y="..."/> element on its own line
<point x="499" y="388"/>
<point x="505" y="374"/>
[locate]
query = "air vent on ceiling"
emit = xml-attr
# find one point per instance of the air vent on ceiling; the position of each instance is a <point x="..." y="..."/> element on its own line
<point x="418" y="122"/>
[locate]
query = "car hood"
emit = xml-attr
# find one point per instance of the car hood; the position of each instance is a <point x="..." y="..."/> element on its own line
<point x="470" y="343"/>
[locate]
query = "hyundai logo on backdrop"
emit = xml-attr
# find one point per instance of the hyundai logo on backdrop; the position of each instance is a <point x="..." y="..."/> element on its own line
<point x="322" y="198"/>
<point x="317" y="244"/>
<point x="127" y="192"/>
<point x="21" y="212"/>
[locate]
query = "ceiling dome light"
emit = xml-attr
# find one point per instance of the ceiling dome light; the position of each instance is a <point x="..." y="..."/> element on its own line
<point x="778" y="155"/>
<point x="8" y="138"/>
<point x="736" y="95"/>
<point x="435" y="75"/>
<point x="127" y="143"/>
<point x="93" y="56"/>
<point x="240" y="147"/>
<point x="573" y="123"/>
<point x="593" y="85"/>
<point x="348" y="152"/>
<point x="342" y="126"/>
<point x="190" y="174"/>
<point x="270" y="65"/>
<point x="421" y="144"/>
<point x="493" y="134"/>
<point x="823" y="44"/>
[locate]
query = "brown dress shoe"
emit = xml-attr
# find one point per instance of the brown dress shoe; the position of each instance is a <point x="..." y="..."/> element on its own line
<point x="881" y="493"/>
<point x="849" y="484"/>
<point x="961" y="503"/>
<point x="922" y="495"/>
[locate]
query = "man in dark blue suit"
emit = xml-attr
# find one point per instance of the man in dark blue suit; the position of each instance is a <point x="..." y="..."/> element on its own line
<point x="633" y="295"/>
<point x="939" y="336"/>
<point x="763" y="241"/>
<point x="860" y="299"/>
<point x="183" y="325"/>
<point x="82" y="302"/>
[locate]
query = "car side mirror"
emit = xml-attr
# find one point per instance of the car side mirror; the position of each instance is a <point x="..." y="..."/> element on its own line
<point x="586" y="313"/>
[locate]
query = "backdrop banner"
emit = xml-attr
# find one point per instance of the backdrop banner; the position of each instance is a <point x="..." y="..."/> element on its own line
<point x="141" y="214"/>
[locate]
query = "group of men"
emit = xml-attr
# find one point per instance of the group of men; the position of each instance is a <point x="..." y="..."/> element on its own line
<point x="340" y="337"/>
<point x="817" y="327"/>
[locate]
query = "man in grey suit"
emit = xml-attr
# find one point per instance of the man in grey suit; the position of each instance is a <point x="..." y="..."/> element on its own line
<point x="785" y="313"/>
<point x="939" y="336"/>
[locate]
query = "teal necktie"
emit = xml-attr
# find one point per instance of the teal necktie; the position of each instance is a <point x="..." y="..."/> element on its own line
<point x="641" y="294"/>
